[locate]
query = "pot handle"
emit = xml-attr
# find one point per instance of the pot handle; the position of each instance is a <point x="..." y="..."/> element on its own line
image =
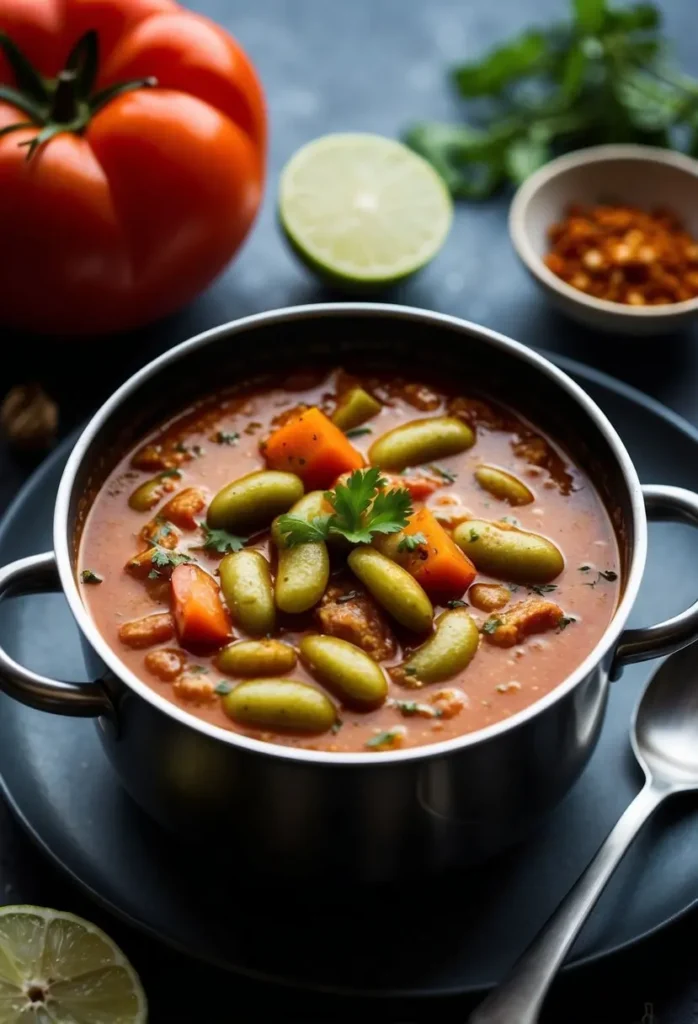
<point x="668" y="504"/>
<point x="39" y="574"/>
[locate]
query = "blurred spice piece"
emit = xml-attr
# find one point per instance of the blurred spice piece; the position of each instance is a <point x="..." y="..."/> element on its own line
<point x="29" y="417"/>
<point x="623" y="254"/>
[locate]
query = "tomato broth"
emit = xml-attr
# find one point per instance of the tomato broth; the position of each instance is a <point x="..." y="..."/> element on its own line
<point x="530" y="634"/>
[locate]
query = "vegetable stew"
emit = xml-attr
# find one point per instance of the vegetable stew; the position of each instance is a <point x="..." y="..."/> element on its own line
<point x="349" y="563"/>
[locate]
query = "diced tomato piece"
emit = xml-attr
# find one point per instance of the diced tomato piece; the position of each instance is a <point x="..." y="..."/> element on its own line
<point x="311" y="446"/>
<point x="200" y="617"/>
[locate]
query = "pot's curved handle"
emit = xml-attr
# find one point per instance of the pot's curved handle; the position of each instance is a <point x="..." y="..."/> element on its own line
<point x="39" y="574"/>
<point x="673" y="504"/>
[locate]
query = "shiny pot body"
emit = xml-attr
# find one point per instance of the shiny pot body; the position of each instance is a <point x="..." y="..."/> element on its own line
<point x="372" y="816"/>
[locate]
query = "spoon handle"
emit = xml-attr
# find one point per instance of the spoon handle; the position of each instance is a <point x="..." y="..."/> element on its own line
<point x="518" y="1000"/>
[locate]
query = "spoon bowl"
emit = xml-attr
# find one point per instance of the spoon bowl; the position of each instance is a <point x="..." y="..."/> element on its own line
<point x="665" y="728"/>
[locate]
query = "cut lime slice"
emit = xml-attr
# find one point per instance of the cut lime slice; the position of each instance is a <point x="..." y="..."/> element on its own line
<point x="56" y="968"/>
<point x="362" y="209"/>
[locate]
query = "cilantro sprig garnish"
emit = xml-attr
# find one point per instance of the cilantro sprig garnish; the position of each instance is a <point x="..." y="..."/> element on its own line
<point x="221" y="540"/>
<point x="361" y="509"/>
<point x="163" y="559"/>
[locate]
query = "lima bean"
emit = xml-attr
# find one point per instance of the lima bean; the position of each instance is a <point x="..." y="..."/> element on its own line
<point x="280" y="704"/>
<point x="256" y="658"/>
<point x="354" y="408"/>
<point x="251" y="502"/>
<point x="303" y="571"/>
<point x="503" y="485"/>
<point x="420" y="441"/>
<point x="446" y="653"/>
<point x="509" y="553"/>
<point x="148" y="494"/>
<point x="393" y="588"/>
<point x="246" y="585"/>
<point x="346" y="670"/>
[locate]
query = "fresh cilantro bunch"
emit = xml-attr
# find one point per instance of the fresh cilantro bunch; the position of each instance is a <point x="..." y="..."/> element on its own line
<point x="361" y="508"/>
<point x="604" y="76"/>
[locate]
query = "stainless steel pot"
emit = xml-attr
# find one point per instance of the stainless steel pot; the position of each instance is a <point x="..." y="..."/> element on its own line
<point x="373" y="816"/>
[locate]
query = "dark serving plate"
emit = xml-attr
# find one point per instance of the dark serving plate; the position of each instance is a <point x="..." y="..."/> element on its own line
<point x="447" y="935"/>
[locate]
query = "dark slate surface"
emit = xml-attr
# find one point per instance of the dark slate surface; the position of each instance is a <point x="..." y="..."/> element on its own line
<point x="371" y="65"/>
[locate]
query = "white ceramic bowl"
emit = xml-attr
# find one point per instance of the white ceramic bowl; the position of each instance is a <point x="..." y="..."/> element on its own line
<point x="643" y="176"/>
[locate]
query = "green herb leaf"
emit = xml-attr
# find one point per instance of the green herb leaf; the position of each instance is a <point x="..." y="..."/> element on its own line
<point x="446" y="474"/>
<point x="408" y="708"/>
<point x="221" y="540"/>
<point x="222" y="688"/>
<point x="175" y="473"/>
<point x="162" y="558"/>
<point x="162" y="530"/>
<point x="590" y="15"/>
<point x="457" y="604"/>
<point x="297" y="530"/>
<point x="390" y="512"/>
<point x="504" y="65"/>
<point x="585" y="568"/>
<point x="473" y="535"/>
<point x="90" y="576"/>
<point x="411" y="541"/>
<point x="564" y="622"/>
<point x="358" y="431"/>
<point x="229" y="437"/>
<point x="491" y="626"/>
<point x="384" y="739"/>
<point x="360" y="509"/>
<point x="609" y="575"/>
<point x="524" y="156"/>
<point x="542" y="588"/>
<point x="351" y="499"/>
<point x="196" y="670"/>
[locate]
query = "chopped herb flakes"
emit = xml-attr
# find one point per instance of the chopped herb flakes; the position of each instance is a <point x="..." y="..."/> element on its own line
<point x="194" y="450"/>
<point x="163" y="559"/>
<point x="197" y="670"/>
<point x="511" y="520"/>
<point x="491" y="626"/>
<point x="446" y="474"/>
<point x="564" y="622"/>
<point x="163" y="529"/>
<point x="473" y="535"/>
<point x="230" y="437"/>
<point x="90" y="576"/>
<point x="222" y="541"/>
<point x="585" y="568"/>
<point x="358" y="432"/>
<point x="176" y="473"/>
<point x="222" y="688"/>
<point x="604" y="574"/>
<point x="385" y="739"/>
<point x="411" y="541"/>
<point x="414" y="707"/>
<point x="457" y="604"/>
<point x="542" y="588"/>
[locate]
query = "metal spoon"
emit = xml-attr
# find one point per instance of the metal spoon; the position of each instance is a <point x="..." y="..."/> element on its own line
<point x="664" y="737"/>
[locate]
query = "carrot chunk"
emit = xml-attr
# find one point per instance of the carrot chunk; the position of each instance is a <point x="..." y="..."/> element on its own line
<point x="437" y="563"/>
<point x="199" y="615"/>
<point x="311" y="446"/>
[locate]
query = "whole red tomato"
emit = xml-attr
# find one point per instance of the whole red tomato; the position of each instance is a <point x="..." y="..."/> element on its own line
<point x="132" y="146"/>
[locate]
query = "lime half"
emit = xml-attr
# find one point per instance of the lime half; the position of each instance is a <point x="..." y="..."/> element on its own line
<point x="363" y="209"/>
<point x="56" y="968"/>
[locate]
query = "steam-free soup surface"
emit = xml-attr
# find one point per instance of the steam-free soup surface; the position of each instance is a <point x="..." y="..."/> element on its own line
<point x="529" y="634"/>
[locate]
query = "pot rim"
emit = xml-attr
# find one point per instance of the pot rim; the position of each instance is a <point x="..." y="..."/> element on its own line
<point x="62" y="537"/>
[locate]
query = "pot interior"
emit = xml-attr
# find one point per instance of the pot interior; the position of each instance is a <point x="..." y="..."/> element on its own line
<point x="406" y="344"/>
